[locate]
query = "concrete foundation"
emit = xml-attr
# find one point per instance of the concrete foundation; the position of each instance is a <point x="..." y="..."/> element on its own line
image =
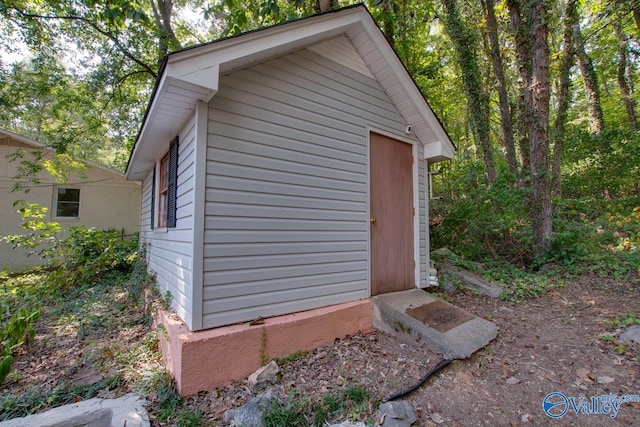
<point x="459" y="342"/>
<point x="213" y="358"/>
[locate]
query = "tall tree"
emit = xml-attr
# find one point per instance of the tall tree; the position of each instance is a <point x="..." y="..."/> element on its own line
<point x="521" y="34"/>
<point x="589" y="77"/>
<point x="567" y="60"/>
<point x="503" y="97"/>
<point x="535" y="51"/>
<point x="465" y="41"/>
<point x="625" y="81"/>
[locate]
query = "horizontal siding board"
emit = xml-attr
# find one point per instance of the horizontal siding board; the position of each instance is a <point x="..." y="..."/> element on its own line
<point x="292" y="294"/>
<point x="284" y="121"/>
<point x="266" y="187"/>
<point x="267" y="156"/>
<point x="216" y="195"/>
<point x="337" y="71"/>
<point x="256" y="95"/>
<point x="287" y="213"/>
<point x="344" y="93"/>
<point x="249" y="160"/>
<point x="266" y="286"/>
<point x="279" y="176"/>
<point x="256" y="249"/>
<point x="244" y="275"/>
<point x="278" y="236"/>
<point x="282" y="224"/>
<point x="242" y="127"/>
<point x="211" y="320"/>
<point x="283" y="260"/>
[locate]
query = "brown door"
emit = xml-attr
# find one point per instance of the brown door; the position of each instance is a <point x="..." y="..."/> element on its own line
<point x="391" y="193"/>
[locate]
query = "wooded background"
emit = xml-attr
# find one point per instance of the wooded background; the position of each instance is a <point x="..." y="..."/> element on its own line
<point x="538" y="97"/>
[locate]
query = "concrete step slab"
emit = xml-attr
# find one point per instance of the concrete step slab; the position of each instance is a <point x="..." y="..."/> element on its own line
<point x="446" y="329"/>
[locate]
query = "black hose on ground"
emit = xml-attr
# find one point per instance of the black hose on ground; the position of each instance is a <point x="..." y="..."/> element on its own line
<point x="435" y="369"/>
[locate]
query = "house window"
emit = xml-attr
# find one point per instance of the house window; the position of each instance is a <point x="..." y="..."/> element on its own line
<point x="164" y="192"/>
<point x="67" y="202"/>
<point x="163" y="188"/>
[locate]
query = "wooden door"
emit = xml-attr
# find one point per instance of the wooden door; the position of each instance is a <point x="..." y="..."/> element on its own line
<point x="391" y="204"/>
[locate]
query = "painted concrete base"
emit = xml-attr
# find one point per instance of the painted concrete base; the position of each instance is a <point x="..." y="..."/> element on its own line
<point x="125" y="411"/>
<point x="213" y="358"/>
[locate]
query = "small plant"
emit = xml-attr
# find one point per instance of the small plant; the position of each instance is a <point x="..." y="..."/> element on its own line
<point x="285" y="414"/>
<point x="624" y="320"/>
<point x="167" y="299"/>
<point x="298" y="355"/>
<point x="356" y="394"/>
<point x="16" y="329"/>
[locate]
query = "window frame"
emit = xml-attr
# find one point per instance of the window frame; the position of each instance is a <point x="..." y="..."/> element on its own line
<point x="56" y="201"/>
<point x="164" y="185"/>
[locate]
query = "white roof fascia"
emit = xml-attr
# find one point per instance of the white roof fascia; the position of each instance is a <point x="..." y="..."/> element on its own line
<point x="250" y="48"/>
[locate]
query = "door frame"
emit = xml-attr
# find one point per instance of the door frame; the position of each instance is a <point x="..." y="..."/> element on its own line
<point x="416" y="200"/>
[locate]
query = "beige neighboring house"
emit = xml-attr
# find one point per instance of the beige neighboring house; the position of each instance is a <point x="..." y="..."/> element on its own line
<point x="100" y="198"/>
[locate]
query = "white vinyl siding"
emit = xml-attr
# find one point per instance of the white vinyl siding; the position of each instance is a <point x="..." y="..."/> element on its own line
<point x="169" y="250"/>
<point x="286" y="213"/>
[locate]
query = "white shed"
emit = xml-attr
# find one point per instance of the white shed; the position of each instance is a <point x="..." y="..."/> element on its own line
<point x="284" y="170"/>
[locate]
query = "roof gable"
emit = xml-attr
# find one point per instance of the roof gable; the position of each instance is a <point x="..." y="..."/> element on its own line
<point x="13" y="139"/>
<point x="192" y="75"/>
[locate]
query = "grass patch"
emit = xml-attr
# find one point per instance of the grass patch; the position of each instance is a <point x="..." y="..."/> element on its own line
<point x="350" y="402"/>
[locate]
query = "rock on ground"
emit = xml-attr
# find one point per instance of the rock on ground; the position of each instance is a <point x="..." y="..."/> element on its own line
<point x="265" y="374"/>
<point x="632" y="333"/>
<point x="127" y="410"/>
<point x="252" y="412"/>
<point x="396" y="414"/>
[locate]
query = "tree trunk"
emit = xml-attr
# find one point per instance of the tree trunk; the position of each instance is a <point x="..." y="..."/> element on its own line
<point x="167" y="40"/>
<point x="325" y="5"/>
<point x="624" y="82"/>
<point x="542" y="213"/>
<point x="590" y="79"/>
<point x="523" y="57"/>
<point x="635" y="8"/>
<point x="530" y="31"/>
<point x="477" y="98"/>
<point x="498" y="70"/>
<point x="564" y="84"/>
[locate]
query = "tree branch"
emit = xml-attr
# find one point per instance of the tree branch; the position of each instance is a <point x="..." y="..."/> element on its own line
<point x="95" y="27"/>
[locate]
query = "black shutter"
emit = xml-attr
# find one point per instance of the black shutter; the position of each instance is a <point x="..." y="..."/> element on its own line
<point x="172" y="184"/>
<point x="153" y="199"/>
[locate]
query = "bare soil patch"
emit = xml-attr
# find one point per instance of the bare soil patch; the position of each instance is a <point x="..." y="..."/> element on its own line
<point x="556" y="342"/>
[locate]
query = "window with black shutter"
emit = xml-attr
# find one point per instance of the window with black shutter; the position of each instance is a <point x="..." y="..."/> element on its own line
<point x="166" y="188"/>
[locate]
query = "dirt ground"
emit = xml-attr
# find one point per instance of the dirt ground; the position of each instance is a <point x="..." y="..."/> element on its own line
<point x="554" y="343"/>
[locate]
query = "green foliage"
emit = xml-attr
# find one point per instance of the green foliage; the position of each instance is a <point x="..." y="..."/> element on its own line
<point x="624" y="320"/>
<point x="489" y="223"/>
<point x="520" y="284"/>
<point x="298" y="355"/>
<point x="16" y="329"/>
<point x="287" y="414"/>
<point x="604" y="166"/>
<point x="40" y="237"/>
<point x="349" y="402"/>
